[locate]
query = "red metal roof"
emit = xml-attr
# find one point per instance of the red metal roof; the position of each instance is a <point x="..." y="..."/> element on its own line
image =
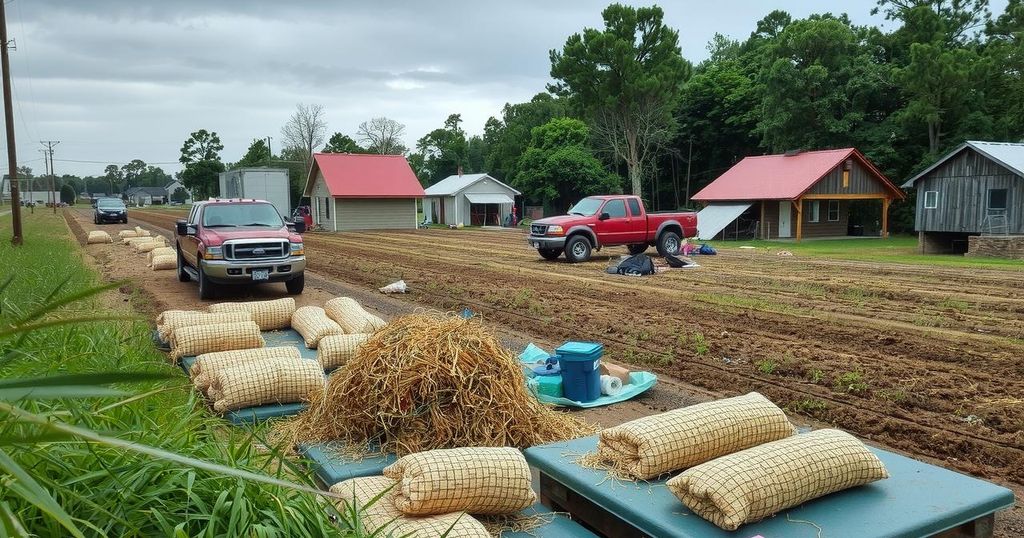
<point x="782" y="177"/>
<point x="350" y="175"/>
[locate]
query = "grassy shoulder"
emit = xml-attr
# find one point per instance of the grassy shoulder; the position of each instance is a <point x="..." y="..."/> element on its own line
<point x="110" y="492"/>
<point x="895" y="249"/>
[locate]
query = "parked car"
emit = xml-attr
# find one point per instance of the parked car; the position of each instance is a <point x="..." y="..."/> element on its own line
<point x="225" y="242"/>
<point x="596" y="222"/>
<point x="109" y="210"/>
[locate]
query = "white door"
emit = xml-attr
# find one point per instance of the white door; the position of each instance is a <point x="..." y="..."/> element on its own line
<point x="785" y="219"/>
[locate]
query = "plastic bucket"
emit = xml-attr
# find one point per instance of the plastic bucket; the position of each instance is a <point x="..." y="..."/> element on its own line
<point x="580" y="363"/>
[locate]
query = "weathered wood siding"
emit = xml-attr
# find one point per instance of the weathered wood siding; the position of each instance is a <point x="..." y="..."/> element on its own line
<point x="375" y="213"/>
<point x="962" y="184"/>
<point x="861" y="182"/>
<point x="824" y="228"/>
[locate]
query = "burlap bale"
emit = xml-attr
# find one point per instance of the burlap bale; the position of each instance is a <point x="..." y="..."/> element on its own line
<point x="148" y="246"/>
<point x="98" y="236"/>
<point x="313" y="324"/>
<point x="199" y="339"/>
<point x="269" y="315"/>
<point x="208" y="364"/>
<point x="130" y="241"/>
<point x="347" y="312"/>
<point x="159" y="251"/>
<point x="488" y="481"/>
<point x="268" y="381"/>
<point x="141" y="232"/>
<point x="381" y="518"/>
<point x="336" y="350"/>
<point x="167" y="261"/>
<point x="753" y="484"/>
<point x="123" y="234"/>
<point x="647" y="447"/>
<point x="171" y="320"/>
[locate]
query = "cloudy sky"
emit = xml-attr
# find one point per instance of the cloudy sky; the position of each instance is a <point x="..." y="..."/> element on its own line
<point x="116" y="80"/>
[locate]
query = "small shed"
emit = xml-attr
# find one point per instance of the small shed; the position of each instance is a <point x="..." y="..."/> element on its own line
<point x="362" y="192"/>
<point x="797" y="194"/>
<point x="975" y="190"/>
<point x="143" y="196"/>
<point x="474" y="199"/>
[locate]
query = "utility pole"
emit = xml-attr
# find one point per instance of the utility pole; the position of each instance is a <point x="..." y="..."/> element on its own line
<point x="12" y="154"/>
<point x="49" y="151"/>
<point x="689" y="159"/>
<point x="270" y="153"/>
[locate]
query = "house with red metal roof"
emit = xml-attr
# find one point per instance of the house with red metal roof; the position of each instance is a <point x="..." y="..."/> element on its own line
<point x="362" y="192"/>
<point x="827" y="193"/>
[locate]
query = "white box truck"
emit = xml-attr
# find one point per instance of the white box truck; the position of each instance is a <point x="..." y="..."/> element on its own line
<point x="270" y="184"/>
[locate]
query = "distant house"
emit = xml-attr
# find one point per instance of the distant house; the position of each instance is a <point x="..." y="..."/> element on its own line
<point x="474" y="199"/>
<point x="976" y="189"/>
<point x="143" y="196"/>
<point x="175" y="185"/>
<point x="796" y="195"/>
<point x="362" y="192"/>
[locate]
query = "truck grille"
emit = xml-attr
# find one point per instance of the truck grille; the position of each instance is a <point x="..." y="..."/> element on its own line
<point x="538" y="229"/>
<point x="258" y="250"/>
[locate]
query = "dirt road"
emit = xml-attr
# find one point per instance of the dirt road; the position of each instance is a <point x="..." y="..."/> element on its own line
<point x="928" y="360"/>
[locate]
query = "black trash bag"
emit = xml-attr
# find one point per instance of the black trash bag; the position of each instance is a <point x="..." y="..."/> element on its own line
<point x="638" y="265"/>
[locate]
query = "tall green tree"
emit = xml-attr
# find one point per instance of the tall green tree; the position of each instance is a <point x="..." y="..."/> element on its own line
<point x="444" y="150"/>
<point x="258" y="154"/>
<point x="559" y="168"/>
<point x="201" y="156"/>
<point x="506" y="139"/>
<point x="342" y="143"/>
<point x="130" y="173"/>
<point x="113" y="175"/>
<point x="626" y="78"/>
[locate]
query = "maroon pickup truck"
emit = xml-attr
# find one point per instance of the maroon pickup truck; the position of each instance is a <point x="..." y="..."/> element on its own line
<point x="606" y="221"/>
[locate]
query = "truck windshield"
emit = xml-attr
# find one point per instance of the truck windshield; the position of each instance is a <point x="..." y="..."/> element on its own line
<point x="586" y="207"/>
<point x="239" y="215"/>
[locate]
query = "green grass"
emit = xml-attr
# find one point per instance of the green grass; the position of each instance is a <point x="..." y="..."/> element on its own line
<point x="895" y="249"/>
<point x="109" y="491"/>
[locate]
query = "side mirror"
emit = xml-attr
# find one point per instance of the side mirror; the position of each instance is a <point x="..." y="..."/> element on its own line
<point x="604" y="216"/>
<point x="181" y="227"/>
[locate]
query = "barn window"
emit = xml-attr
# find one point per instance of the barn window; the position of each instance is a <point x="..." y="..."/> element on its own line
<point x="931" y="199"/>
<point x="813" y="210"/>
<point x="997" y="199"/>
<point x="833" y="210"/>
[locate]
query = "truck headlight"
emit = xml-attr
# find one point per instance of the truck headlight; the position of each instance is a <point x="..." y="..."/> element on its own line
<point x="555" y="230"/>
<point x="297" y="249"/>
<point x="213" y="253"/>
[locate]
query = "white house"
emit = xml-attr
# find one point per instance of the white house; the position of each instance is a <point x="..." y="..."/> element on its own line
<point x="175" y="185"/>
<point x="472" y="199"/>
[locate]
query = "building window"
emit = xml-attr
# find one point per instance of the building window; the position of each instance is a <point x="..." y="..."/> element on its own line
<point x="931" y="199"/>
<point x="833" y="210"/>
<point x="997" y="199"/>
<point x="813" y="211"/>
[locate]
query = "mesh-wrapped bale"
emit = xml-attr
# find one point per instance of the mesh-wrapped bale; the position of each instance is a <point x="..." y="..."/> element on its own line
<point x="381" y="518"/>
<point x="130" y="241"/>
<point x="124" y="234"/>
<point x="164" y="262"/>
<point x="175" y="319"/>
<point x="753" y="484"/>
<point x="268" y="381"/>
<point x="336" y="350"/>
<point x="148" y="246"/>
<point x="269" y="315"/>
<point x="208" y="364"/>
<point x="488" y="481"/>
<point x="159" y="251"/>
<point x="647" y="447"/>
<point x="98" y="236"/>
<point x="373" y="323"/>
<point x="347" y="312"/>
<point x="313" y="324"/>
<point x="141" y="232"/>
<point x="199" y="339"/>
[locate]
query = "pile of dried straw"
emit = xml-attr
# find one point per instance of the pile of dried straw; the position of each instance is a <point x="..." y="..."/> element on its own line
<point x="428" y="381"/>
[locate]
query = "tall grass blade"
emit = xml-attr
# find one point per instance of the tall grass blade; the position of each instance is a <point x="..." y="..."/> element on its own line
<point x="27" y="488"/>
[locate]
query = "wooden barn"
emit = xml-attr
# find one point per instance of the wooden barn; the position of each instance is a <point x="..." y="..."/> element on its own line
<point x="800" y="194"/>
<point x="975" y="190"/>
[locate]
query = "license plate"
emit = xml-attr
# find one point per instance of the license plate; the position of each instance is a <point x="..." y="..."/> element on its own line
<point x="261" y="274"/>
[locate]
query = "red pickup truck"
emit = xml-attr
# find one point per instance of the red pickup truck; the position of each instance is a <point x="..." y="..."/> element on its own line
<point x="606" y="221"/>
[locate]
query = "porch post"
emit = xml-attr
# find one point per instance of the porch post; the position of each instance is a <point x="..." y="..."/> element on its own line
<point x="885" y="217"/>
<point x="761" y="222"/>
<point x="799" y="219"/>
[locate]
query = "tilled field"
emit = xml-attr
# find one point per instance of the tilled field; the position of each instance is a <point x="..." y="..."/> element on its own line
<point x="929" y="360"/>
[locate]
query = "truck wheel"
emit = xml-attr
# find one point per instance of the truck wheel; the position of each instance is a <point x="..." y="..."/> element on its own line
<point x="205" y="288"/>
<point x="296" y="284"/>
<point x="638" y="248"/>
<point x="550" y="253"/>
<point x="668" y="243"/>
<point x="577" y="249"/>
<point x="182" y="274"/>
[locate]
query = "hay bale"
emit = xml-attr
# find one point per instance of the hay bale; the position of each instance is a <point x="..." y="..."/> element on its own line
<point x="269" y="315"/>
<point x="199" y="339"/>
<point x="269" y="381"/>
<point x="208" y="364"/>
<point x="756" y="483"/>
<point x="336" y="350"/>
<point x="124" y="234"/>
<point x="149" y="246"/>
<point x="98" y="236"/>
<point x="489" y="481"/>
<point x="650" y="446"/>
<point x="313" y="324"/>
<point x="369" y="495"/>
<point x="167" y="261"/>
<point x="169" y="321"/>
<point x="428" y="381"/>
<point x="142" y="232"/>
<point x="130" y="241"/>
<point x="159" y="251"/>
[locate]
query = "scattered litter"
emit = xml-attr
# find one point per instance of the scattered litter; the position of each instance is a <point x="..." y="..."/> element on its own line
<point x="783" y="253"/>
<point x="971" y="419"/>
<point x="394" y="287"/>
<point x="639" y="265"/>
<point x="466" y="313"/>
<point x="706" y="250"/>
<point x="611" y="386"/>
<point x="748" y="247"/>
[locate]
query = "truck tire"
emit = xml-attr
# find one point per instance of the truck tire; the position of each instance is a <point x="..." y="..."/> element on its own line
<point x="668" y="243"/>
<point x="550" y="253"/>
<point x="295" y="285"/>
<point x="577" y="249"/>
<point x="182" y="274"/>
<point x="205" y="286"/>
<point x="638" y="248"/>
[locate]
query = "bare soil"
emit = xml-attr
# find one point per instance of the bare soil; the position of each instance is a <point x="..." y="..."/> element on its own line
<point x="924" y="360"/>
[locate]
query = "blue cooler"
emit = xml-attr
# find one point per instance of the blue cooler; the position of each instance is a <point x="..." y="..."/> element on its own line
<point x="581" y="376"/>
